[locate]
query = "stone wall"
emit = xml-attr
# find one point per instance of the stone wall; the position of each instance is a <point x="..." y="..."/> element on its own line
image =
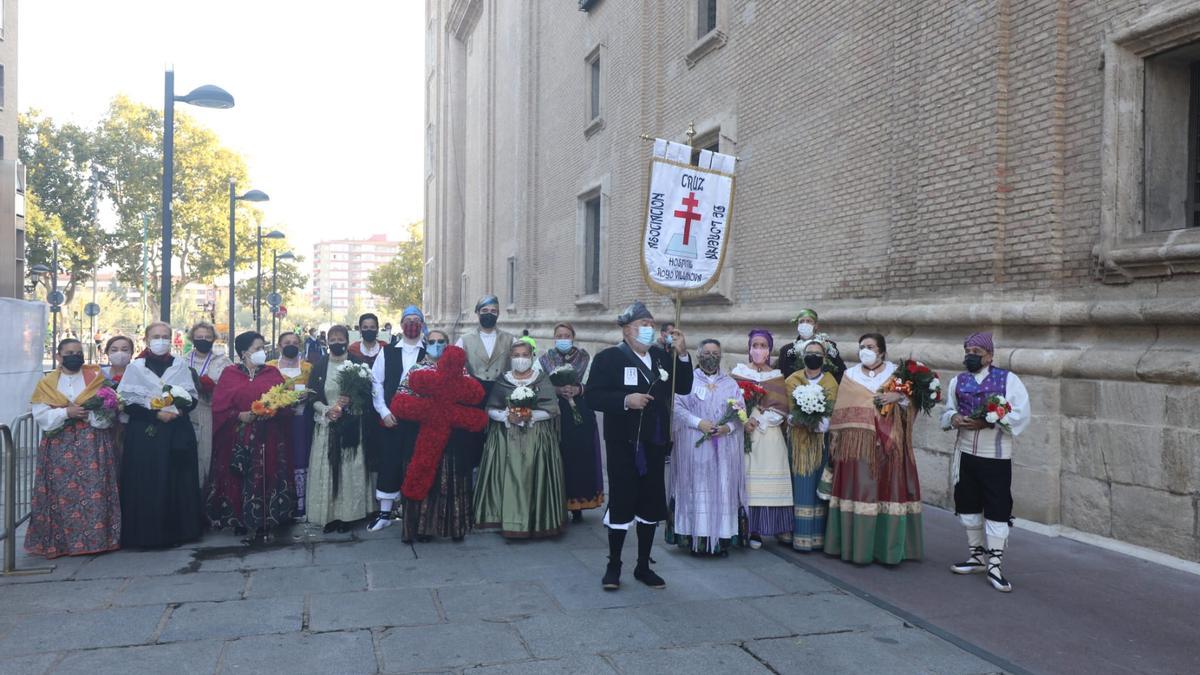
<point x="920" y="169"/>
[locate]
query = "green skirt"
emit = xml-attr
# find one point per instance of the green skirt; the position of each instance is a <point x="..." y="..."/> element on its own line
<point x="519" y="489"/>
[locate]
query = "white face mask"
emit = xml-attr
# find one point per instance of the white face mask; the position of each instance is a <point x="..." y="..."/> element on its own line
<point x="119" y="358"/>
<point x="160" y="346"/>
<point x="867" y="357"/>
<point x="259" y="357"/>
<point x="521" y="364"/>
<point x="804" y="330"/>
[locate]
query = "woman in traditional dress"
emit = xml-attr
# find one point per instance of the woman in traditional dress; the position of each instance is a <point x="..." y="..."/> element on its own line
<point x="578" y="441"/>
<point x="873" y="487"/>
<point x="76" y="507"/>
<point x="250" y="488"/>
<point x="768" y="477"/>
<point x="708" y="471"/>
<point x="446" y="509"/>
<point x="160" y="484"/>
<point x="810" y="450"/>
<point x="207" y="366"/>
<point x="296" y="372"/>
<point x="339" y="490"/>
<point x="520" y="485"/>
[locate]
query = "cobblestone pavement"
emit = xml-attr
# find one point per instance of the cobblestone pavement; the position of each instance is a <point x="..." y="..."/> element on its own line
<point x="370" y="604"/>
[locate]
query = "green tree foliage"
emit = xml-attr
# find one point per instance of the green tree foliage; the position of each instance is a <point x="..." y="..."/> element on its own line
<point x="399" y="282"/>
<point x="128" y="145"/>
<point x="289" y="280"/>
<point x="62" y="189"/>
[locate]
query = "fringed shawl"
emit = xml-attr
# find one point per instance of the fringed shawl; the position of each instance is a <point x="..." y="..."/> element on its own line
<point x="808" y="445"/>
<point x="860" y="431"/>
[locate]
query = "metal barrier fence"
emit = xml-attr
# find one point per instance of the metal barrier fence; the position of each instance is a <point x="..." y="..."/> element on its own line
<point x="18" y="457"/>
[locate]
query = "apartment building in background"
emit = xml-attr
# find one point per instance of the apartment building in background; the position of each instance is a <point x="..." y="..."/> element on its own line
<point x="12" y="173"/>
<point x="342" y="269"/>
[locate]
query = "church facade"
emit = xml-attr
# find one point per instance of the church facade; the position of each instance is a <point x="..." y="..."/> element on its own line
<point x="924" y="170"/>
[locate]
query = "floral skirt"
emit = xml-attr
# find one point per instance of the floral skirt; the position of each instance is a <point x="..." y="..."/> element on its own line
<point x="76" y="506"/>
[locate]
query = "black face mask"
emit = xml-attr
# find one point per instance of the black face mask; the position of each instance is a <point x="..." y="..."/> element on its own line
<point x="203" y="346"/>
<point x="709" y="363"/>
<point x="488" y="320"/>
<point x="337" y="348"/>
<point x="813" y="361"/>
<point x="973" y="363"/>
<point x="291" y="351"/>
<point x="72" y="362"/>
<point x="370" y="335"/>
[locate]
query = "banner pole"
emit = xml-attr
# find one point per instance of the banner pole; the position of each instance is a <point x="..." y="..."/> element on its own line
<point x="675" y="361"/>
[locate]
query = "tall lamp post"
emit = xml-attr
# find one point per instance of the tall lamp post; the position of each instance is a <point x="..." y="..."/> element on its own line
<point x="275" y="258"/>
<point x="251" y="196"/>
<point x="205" y="96"/>
<point x="273" y="234"/>
<point x="40" y="271"/>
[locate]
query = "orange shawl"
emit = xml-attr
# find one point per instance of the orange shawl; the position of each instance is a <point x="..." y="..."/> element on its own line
<point x="47" y="388"/>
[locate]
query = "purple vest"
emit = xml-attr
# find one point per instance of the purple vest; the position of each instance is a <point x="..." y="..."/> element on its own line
<point x="971" y="395"/>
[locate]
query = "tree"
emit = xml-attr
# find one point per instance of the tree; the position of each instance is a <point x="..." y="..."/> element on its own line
<point x="288" y="282"/>
<point x="128" y="150"/>
<point x="399" y="282"/>
<point x="62" y="192"/>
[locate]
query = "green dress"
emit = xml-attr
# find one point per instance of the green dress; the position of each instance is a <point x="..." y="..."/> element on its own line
<point x="520" y="485"/>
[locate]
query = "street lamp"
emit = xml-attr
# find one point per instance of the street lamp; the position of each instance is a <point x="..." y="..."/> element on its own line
<point x="39" y="272"/>
<point x="275" y="258"/>
<point x="273" y="234"/>
<point x="251" y="196"/>
<point x="206" y="96"/>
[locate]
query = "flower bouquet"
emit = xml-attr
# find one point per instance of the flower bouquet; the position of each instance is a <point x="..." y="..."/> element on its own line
<point x="354" y="382"/>
<point x="277" y="398"/>
<point x="105" y="403"/>
<point x="567" y="376"/>
<point x="918" y="382"/>
<point x="994" y="411"/>
<point x="735" y="409"/>
<point x="206" y="386"/>
<point x="811" y="406"/>
<point x="522" y="401"/>
<point x="752" y="396"/>
<point x="166" y="402"/>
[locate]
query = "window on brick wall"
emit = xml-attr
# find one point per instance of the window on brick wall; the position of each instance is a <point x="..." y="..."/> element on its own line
<point x="710" y="141"/>
<point x="512" y="281"/>
<point x="591" y="256"/>
<point x="593" y="104"/>
<point x="1172" y="127"/>
<point x="706" y="17"/>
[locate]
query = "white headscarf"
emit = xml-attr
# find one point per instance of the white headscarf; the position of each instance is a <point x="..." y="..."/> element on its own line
<point x="139" y="384"/>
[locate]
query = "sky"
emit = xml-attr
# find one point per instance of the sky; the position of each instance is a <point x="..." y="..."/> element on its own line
<point x="328" y="102"/>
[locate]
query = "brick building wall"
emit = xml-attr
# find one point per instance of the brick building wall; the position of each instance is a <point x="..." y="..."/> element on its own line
<point x="922" y="169"/>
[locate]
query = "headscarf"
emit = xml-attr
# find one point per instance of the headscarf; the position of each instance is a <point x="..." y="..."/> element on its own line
<point x="806" y="314"/>
<point x="764" y="333"/>
<point x="982" y="339"/>
<point x="529" y="341"/>
<point x="634" y="312"/>
<point x="485" y="301"/>
<point x="413" y="310"/>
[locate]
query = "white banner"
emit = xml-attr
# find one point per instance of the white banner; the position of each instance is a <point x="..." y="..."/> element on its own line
<point x="688" y="214"/>
<point x="22" y="333"/>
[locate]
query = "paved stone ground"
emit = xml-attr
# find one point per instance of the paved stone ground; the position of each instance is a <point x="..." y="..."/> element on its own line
<point x="359" y="604"/>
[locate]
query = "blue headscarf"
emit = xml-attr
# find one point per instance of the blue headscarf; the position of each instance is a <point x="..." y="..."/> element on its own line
<point x="485" y="301"/>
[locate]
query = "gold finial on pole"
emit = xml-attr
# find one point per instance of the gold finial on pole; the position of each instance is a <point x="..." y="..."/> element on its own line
<point x="691" y="132"/>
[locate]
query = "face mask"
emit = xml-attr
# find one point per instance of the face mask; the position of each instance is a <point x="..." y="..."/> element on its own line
<point x="521" y="364"/>
<point x="804" y="330"/>
<point x="709" y="363"/>
<point x="119" y="358"/>
<point x="867" y="357"/>
<point x="72" y="362"/>
<point x="488" y="320"/>
<point x="337" y="348"/>
<point x="203" y="346"/>
<point x="258" y="358"/>
<point x="369" y="335"/>
<point x="645" y="335"/>
<point x="435" y="349"/>
<point x="291" y="351"/>
<point x="668" y="339"/>
<point x="973" y="362"/>
<point x="564" y="346"/>
<point x="411" y="330"/>
<point x="160" y="346"/>
<point x="759" y="354"/>
<point x="813" y="361"/>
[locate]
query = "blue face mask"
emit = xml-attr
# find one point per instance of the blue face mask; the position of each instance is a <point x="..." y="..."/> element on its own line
<point x="435" y="349"/>
<point x="646" y="335"/>
<point x="564" y="346"/>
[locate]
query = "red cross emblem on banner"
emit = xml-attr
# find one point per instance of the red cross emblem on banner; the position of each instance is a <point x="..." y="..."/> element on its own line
<point x="688" y="215"/>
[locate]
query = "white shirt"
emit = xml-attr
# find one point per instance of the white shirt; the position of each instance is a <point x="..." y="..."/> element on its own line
<point x="50" y="418"/>
<point x="872" y="381"/>
<point x="409" y="351"/>
<point x="488" y="340"/>
<point x="993" y="442"/>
